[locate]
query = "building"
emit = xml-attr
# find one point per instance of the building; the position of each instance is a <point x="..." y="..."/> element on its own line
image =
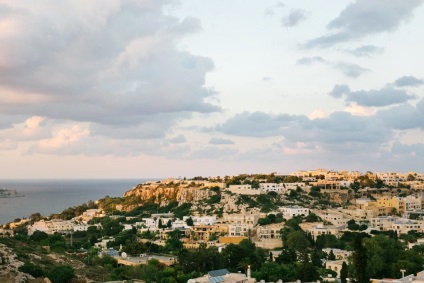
<point x="244" y="190"/>
<point x="242" y="218"/>
<point x="201" y="220"/>
<point x="51" y="226"/>
<point x="271" y="231"/>
<point x="338" y="253"/>
<point x="316" y="229"/>
<point x="335" y="265"/>
<point x="291" y="211"/>
<point x="224" y="276"/>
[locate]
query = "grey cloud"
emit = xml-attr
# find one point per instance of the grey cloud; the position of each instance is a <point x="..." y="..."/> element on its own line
<point x="214" y="152"/>
<point x="412" y="150"/>
<point x="340" y="90"/>
<point x="220" y="141"/>
<point x="366" y="51"/>
<point x="420" y="106"/>
<point x="310" y="60"/>
<point x="294" y="18"/>
<point x="372" y="98"/>
<point x="402" y="117"/>
<point x="348" y="69"/>
<point x="338" y="129"/>
<point x="366" y="17"/>
<point x="408" y="81"/>
<point x="178" y="139"/>
<point x="351" y="70"/>
<point x="378" y="98"/>
<point x="258" y="124"/>
<point x="115" y="65"/>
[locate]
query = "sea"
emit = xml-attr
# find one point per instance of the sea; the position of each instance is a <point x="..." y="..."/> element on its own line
<point x="54" y="196"/>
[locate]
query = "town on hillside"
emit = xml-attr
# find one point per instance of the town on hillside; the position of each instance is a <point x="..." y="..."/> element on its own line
<point x="307" y="226"/>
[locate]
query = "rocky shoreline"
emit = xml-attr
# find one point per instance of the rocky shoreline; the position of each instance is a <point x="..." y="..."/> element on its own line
<point x="8" y="193"/>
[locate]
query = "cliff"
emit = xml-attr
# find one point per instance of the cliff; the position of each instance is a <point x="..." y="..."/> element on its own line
<point x="163" y="194"/>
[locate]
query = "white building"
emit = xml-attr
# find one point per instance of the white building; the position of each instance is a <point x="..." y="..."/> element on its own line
<point x="51" y="227"/>
<point x="382" y="223"/>
<point x="290" y="211"/>
<point x="244" y="190"/>
<point x="243" y="218"/>
<point x="240" y="230"/>
<point x="403" y="226"/>
<point x="272" y="187"/>
<point x="338" y="253"/>
<point x="201" y="220"/>
<point x="334" y="217"/>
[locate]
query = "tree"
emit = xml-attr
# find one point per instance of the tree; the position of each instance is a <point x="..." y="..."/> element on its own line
<point x="312" y="217"/>
<point x="305" y="271"/>
<point x="331" y="256"/>
<point x="32" y="269"/>
<point x="359" y="258"/>
<point x="39" y="236"/>
<point x="189" y="222"/>
<point x="287" y="256"/>
<point x="351" y="225"/>
<point x="297" y="241"/>
<point x="344" y="273"/>
<point x="61" y="274"/>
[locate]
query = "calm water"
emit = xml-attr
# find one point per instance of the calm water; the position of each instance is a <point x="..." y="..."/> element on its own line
<point x="53" y="196"/>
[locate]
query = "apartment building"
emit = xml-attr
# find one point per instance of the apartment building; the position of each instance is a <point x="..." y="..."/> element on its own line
<point x="291" y="211"/>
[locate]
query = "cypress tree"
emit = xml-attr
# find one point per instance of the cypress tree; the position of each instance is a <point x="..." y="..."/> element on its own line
<point x="359" y="261"/>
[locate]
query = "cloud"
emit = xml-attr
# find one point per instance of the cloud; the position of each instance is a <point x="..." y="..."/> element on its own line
<point x="366" y="17"/>
<point x="178" y="139"/>
<point x="310" y="60"/>
<point x="294" y="18"/>
<point x="214" y="152"/>
<point x="372" y="98"/>
<point x="340" y="90"/>
<point x="106" y="64"/>
<point x="220" y="141"/>
<point x="350" y="70"/>
<point x="379" y="98"/>
<point x="258" y="124"/>
<point x="412" y="150"/>
<point x="402" y="117"/>
<point x="366" y="51"/>
<point x="408" y="81"/>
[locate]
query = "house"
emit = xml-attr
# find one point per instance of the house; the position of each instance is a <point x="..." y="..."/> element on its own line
<point x="335" y="265"/>
<point x="244" y="190"/>
<point x="316" y="229"/>
<point x="291" y="211"/>
<point x="224" y="276"/>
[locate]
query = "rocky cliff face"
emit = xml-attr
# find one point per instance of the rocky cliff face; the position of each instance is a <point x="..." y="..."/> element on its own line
<point x="164" y="194"/>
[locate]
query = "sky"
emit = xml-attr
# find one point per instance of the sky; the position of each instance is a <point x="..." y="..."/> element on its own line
<point x="163" y="88"/>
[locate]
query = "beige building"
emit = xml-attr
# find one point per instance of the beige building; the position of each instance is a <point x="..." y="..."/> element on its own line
<point x="316" y="229"/>
<point x="271" y="231"/>
<point x="335" y="265"/>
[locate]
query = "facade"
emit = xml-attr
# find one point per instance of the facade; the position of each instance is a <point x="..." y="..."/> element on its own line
<point x="242" y="230"/>
<point x="291" y="211"/>
<point x="201" y="220"/>
<point x="316" y="229"/>
<point x="244" y="190"/>
<point x="242" y="218"/>
<point x="271" y="231"/>
<point x="335" y="265"/>
<point x="334" y="217"/>
<point x="51" y="226"/>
